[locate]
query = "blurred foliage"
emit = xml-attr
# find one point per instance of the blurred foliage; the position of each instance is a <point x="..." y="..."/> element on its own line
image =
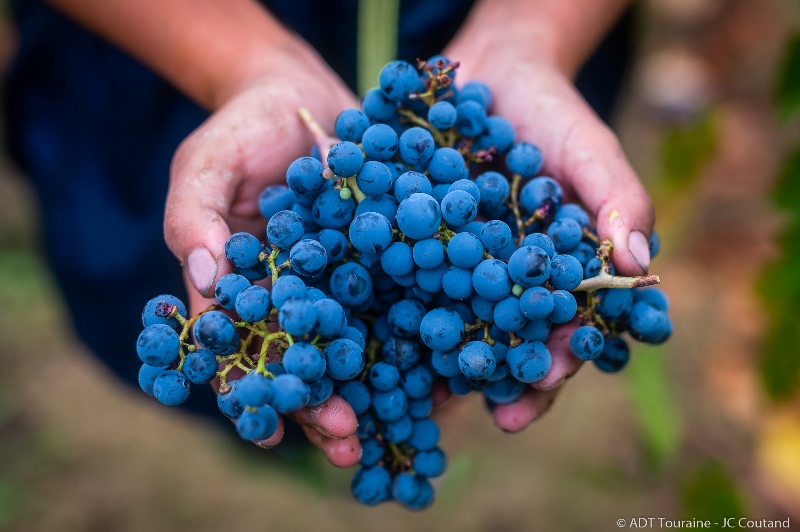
<point x="685" y="150"/>
<point x="656" y="414"/>
<point x="377" y="39"/>
<point x="788" y="89"/>
<point x="710" y="493"/>
<point x="780" y="284"/>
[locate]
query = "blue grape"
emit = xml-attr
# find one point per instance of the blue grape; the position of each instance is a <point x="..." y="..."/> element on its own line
<point x="541" y="241"/>
<point x="158" y="345"/>
<point x="351" y="284"/>
<point x="285" y="229"/>
<point x="430" y="463"/>
<point x="424" y="435"/>
<point x="397" y="260"/>
<point x="286" y="288"/>
<point x="491" y="281"/>
<point x="419" y="216"/>
<point x="330" y="211"/>
<point x="405" y="488"/>
<point x="505" y="390"/>
<point x="477" y="360"/>
<point x="441" y="329"/>
<point x="566" y="272"/>
<point x="575" y="212"/>
<point x="242" y="249"/>
<point x="171" y="388"/>
<point x="586" y="342"/>
<point x="408" y="280"/>
<point x="399" y="79"/>
<point x="331" y="318"/>
<point x="614" y="303"/>
<point x="335" y="244"/>
<point x="564" y="306"/>
<point x="305" y="361"/>
<point x="157" y="311"/>
<point x="529" y="361"/>
<point x="465" y="250"/>
<point x="446" y="165"/>
<point x="539" y="192"/>
<point x="367" y="426"/>
<point x="377" y="106"/>
<point x="308" y="257"/>
<point x="428" y="253"/>
<point x="357" y="396"/>
<point x="274" y="199"/>
<point x="252" y="303"/>
<point x="442" y="115"/>
<point x="398" y="431"/>
<point x="345" y="159"/>
<point x="147" y="377"/>
<point x="345" y="359"/>
<point x="304" y="176"/>
<point x="499" y="134"/>
<point x="386" y="205"/>
<point x="380" y="142"/>
<point x="370" y="232"/>
<point x="410" y="183"/>
<point x="424" y="498"/>
<point x="445" y="362"/>
<point x="416" y="146"/>
<point x="401" y="352"/>
<point x="653" y="296"/>
<point x="440" y="191"/>
<point x="535" y="330"/>
<point x="457" y="282"/>
<point x="459" y="208"/>
<point x="290" y="393"/>
<point x="614" y="356"/>
<point x="524" y="159"/>
<point x="351" y="125"/>
<point x="298" y="316"/>
<point x="466" y="185"/>
<point x="371" y="452"/>
<point x="371" y="485"/>
<point x="200" y="366"/>
<point x="508" y="316"/>
<point x="420" y="408"/>
<point x="255" y="389"/>
<point x="494" y="189"/>
<point x="475" y="91"/>
<point x="230" y="404"/>
<point x="459" y="384"/>
<point x="374" y="179"/>
<point x="647" y="323"/>
<point x="228" y="287"/>
<point x="496" y="235"/>
<point x="390" y="405"/>
<point x="565" y="234"/>
<point x="529" y="266"/>
<point x="405" y="317"/>
<point x="471" y="120"/>
<point x="257" y="424"/>
<point x="320" y="390"/>
<point x="417" y="382"/>
<point x="536" y="303"/>
<point x="384" y="377"/>
<point x="654" y="244"/>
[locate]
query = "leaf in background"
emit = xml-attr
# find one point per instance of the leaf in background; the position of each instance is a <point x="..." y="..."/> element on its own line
<point x="780" y="364"/>
<point x="658" y="419"/>
<point x="710" y="494"/>
<point x="686" y="149"/>
<point x="377" y="39"/>
<point x="788" y="89"/>
<point x="787" y="186"/>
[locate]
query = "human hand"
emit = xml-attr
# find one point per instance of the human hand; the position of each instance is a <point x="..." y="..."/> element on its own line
<point x="585" y="157"/>
<point x="217" y="175"/>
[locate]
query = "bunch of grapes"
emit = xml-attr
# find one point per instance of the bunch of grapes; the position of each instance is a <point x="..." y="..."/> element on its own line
<point x="396" y="256"/>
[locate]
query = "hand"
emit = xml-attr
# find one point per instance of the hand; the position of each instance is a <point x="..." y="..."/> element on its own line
<point x="217" y="175"/>
<point x="585" y="157"/>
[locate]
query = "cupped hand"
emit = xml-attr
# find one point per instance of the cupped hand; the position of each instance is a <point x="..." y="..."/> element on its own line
<point x="585" y="157"/>
<point x="217" y="175"/>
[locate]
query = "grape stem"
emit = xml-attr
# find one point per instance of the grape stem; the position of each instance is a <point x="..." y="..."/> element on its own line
<point x="323" y="141"/>
<point x="412" y="116"/>
<point x="515" y="181"/>
<point x="605" y="280"/>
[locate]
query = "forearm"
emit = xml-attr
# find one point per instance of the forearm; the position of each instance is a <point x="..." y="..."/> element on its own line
<point x="206" y="48"/>
<point x="564" y="32"/>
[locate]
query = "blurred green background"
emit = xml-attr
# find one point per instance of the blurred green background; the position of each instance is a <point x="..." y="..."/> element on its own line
<point x="706" y="426"/>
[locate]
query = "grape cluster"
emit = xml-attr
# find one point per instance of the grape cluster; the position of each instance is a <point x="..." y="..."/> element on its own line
<point x="397" y="256"/>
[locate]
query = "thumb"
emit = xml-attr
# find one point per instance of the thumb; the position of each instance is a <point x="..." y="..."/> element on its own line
<point x="593" y="163"/>
<point x="198" y="201"/>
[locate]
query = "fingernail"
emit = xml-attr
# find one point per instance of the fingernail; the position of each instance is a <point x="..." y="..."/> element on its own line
<point x="202" y="269"/>
<point x="640" y="249"/>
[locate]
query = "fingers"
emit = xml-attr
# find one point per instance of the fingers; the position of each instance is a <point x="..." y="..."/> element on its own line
<point x="440" y="393"/>
<point x="513" y="417"/>
<point x="341" y="453"/>
<point x="564" y="364"/>
<point x="334" y="418"/>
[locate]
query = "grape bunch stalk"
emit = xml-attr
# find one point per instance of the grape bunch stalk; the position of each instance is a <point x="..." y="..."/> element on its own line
<point x="419" y="247"/>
